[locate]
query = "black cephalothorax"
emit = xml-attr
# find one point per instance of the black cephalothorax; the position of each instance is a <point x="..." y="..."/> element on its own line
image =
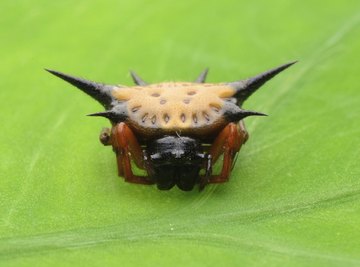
<point x="176" y="160"/>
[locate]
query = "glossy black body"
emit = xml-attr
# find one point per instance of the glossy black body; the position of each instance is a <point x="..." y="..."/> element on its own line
<point x="176" y="160"/>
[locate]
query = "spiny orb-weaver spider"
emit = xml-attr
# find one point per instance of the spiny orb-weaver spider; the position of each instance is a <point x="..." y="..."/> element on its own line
<point x="174" y="131"/>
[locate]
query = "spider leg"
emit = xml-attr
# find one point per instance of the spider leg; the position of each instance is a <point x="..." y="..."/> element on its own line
<point x="228" y="142"/>
<point x="126" y="148"/>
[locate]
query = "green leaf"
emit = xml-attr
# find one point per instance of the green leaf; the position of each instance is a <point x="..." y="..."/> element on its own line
<point x="293" y="197"/>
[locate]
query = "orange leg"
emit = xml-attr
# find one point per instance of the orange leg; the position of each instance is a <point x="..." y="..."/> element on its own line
<point x="228" y="142"/>
<point x="126" y="148"/>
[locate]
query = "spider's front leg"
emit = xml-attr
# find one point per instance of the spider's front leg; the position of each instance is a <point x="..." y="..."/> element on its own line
<point x="127" y="148"/>
<point x="228" y="142"/>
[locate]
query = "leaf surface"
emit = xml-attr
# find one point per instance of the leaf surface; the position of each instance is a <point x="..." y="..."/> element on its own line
<point x="293" y="198"/>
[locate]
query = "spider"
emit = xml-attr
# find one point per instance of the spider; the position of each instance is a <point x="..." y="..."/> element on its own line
<point x="174" y="131"/>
